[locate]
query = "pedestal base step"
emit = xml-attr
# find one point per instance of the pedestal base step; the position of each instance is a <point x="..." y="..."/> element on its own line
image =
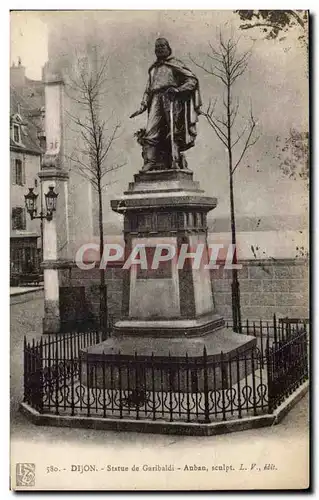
<point x="223" y="340"/>
<point x="169" y="328"/>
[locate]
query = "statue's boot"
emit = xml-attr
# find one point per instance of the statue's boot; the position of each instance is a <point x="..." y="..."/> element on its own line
<point x="149" y="154"/>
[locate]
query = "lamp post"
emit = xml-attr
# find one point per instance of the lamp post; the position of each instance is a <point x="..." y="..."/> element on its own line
<point x="50" y="202"/>
<point x="51" y="320"/>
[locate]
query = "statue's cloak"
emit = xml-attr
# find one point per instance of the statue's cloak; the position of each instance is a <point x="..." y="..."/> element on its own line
<point x="191" y="101"/>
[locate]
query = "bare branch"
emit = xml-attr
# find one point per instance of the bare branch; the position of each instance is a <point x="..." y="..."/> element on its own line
<point x="109" y="143"/>
<point x="298" y="18"/>
<point x="233" y="114"/>
<point x="239" y="137"/>
<point x="211" y="108"/>
<point x="249" y="141"/>
<point x="212" y="120"/>
<point x="211" y="71"/>
<point x="260" y="25"/>
<point x="220" y="134"/>
<point x="114" y="168"/>
<point x="238" y="74"/>
<point x="228" y="65"/>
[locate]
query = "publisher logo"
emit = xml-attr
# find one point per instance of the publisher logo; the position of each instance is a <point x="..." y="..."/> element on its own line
<point x="25" y="474"/>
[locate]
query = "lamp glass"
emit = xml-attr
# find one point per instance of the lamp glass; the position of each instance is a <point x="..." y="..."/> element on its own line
<point x="31" y="201"/>
<point x="51" y="199"/>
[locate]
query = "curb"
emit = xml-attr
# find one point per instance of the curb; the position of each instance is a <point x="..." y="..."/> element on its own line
<point x="156" y="427"/>
<point x="26" y="295"/>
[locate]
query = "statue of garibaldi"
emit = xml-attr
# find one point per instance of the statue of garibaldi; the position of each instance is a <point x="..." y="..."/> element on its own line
<point x="172" y="100"/>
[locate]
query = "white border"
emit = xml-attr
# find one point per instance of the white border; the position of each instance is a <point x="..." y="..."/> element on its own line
<point x="4" y="198"/>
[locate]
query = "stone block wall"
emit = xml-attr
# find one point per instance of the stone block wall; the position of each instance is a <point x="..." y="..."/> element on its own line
<point x="89" y="280"/>
<point x="266" y="287"/>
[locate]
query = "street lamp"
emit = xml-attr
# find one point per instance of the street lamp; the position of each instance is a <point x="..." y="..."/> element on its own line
<point x="50" y="201"/>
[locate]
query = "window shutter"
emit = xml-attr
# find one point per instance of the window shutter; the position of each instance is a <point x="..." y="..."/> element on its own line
<point x="14" y="218"/>
<point x="13" y="170"/>
<point x="23" y="171"/>
<point x="24" y="220"/>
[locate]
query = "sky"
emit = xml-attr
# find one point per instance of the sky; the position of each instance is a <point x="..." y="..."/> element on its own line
<point x="275" y="83"/>
<point x="28" y="40"/>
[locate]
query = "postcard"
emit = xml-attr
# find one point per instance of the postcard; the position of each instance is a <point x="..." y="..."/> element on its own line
<point x="159" y="250"/>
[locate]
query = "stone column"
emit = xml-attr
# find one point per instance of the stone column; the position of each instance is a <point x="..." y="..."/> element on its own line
<point x="55" y="232"/>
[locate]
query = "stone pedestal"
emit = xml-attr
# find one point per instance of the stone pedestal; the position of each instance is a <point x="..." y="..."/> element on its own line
<point x="166" y="208"/>
<point x="169" y="311"/>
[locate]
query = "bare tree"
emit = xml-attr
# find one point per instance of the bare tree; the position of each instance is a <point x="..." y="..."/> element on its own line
<point x="92" y="159"/>
<point x="227" y="65"/>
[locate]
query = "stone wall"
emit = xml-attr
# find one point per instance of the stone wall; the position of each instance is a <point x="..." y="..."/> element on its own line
<point x="266" y="287"/>
<point x="79" y="293"/>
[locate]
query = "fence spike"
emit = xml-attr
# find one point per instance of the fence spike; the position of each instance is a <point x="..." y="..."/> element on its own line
<point x="275" y="328"/>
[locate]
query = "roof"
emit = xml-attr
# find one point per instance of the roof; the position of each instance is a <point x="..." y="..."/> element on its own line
<point x="31" y="93"/>
<point x="23" y="106"/>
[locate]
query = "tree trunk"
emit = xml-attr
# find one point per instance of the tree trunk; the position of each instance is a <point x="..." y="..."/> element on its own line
<point x="236" y="313"/>
<point x="103" y="289"/>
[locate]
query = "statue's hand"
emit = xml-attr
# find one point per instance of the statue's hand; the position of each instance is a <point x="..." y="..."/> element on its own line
<point x="171" y="92"/>
<point x="139" y="111"/>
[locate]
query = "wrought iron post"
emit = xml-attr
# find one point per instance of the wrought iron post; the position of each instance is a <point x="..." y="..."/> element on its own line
<point x="269" y="363"/>
<point x="206" y="393"/>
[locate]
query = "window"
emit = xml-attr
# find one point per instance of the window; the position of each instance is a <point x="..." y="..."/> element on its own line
<point x="16" y="133"/>
<point x="19" y="177"/>
<point x="18" y="218"/>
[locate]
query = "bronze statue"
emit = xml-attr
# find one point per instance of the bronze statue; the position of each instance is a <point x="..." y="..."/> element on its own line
<point x="173" y="101"/>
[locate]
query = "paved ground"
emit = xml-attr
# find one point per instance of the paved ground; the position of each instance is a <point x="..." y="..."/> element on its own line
<point x="25" y="320"/>
<point x="18" y="290"/>
<point x="288" y="440"/>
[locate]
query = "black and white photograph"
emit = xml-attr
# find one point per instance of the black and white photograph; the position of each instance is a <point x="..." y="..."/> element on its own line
<point x="159" y="250"/>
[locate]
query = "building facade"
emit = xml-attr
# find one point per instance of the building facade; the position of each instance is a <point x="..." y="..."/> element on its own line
<point x="27" y="143"/>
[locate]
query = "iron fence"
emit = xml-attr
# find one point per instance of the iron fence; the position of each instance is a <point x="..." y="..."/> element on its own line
<point x="60" y="378"/>
<point x="287" y="366"/>
<point x="48" y="360"/>
<point x="278" y="328"/>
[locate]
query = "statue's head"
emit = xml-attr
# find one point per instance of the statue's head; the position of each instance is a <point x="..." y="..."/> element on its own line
<point x="162" y="48"/>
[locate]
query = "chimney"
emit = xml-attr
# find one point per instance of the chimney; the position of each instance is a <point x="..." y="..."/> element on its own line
<point x="17" y="74"/>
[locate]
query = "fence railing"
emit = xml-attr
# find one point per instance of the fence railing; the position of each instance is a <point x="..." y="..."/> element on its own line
<point x="49" y="359"/>
<point x="59" y="378"/>
<point x="287" y="366"/>
<point x="278" y="328"/>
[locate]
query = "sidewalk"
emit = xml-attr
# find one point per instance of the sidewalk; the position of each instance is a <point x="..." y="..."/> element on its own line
<point x="20" y="290"/>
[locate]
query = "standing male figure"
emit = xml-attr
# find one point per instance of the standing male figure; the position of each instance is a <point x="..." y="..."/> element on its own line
<point x="173" y="101"/>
